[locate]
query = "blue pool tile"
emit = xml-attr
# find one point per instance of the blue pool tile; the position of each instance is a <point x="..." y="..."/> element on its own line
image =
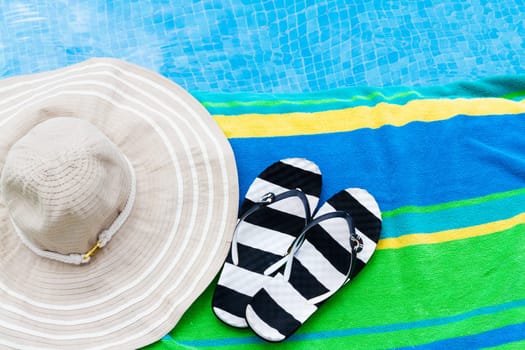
<point x="271" y="46"/>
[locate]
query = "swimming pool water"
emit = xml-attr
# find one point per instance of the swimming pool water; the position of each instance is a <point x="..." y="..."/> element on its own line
<point x="271" y="46"/>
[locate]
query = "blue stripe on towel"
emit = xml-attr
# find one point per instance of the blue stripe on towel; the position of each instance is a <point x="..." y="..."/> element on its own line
<point x="501" y="335"/>
<point x="458" y="162"/>
<point x="495" y="337"/>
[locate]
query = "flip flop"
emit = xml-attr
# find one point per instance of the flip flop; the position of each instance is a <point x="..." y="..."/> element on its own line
<point x="333" y="248"/>
<point x="277" y="206"/>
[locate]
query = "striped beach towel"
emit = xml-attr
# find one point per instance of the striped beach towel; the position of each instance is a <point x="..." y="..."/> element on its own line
<point x="447" y="167"/>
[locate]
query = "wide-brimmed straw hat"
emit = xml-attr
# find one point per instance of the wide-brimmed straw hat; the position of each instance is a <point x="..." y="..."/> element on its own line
<point x="118" y="201"/>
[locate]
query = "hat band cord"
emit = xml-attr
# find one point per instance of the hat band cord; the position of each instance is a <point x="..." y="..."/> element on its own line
<point x="103" y="238"/>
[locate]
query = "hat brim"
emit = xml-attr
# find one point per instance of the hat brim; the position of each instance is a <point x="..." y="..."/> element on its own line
<point x="137" y="287"/>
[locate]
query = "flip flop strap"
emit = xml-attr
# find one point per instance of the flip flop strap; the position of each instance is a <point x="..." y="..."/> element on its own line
<point x="266" y="200"/>
<point x="300" y="240"/>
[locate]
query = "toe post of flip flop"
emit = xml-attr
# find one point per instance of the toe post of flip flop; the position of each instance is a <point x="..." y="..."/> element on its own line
<point x="278" y="205"/>
<point x="332" y="249"/>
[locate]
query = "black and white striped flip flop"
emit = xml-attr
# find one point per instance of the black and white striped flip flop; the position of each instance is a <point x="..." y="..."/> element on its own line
<point x="277" y="206"/>
<point x="334" y="248"/>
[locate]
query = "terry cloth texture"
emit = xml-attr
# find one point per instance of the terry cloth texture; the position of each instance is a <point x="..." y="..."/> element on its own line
<point x="447" y="167"/>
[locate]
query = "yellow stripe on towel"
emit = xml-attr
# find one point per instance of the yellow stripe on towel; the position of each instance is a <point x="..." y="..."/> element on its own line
<point x="267" y="125"/>
<point x="451" y="235"/>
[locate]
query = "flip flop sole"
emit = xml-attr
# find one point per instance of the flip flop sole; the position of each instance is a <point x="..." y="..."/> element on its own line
<point x="321" y="266"/>
<point x="264" y="236"/>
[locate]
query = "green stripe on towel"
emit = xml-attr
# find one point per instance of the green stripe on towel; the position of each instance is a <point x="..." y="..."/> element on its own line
<point x="377" y="309"/>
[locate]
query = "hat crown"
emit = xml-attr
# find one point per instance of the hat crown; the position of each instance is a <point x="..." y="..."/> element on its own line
<point x="64" y="182"/>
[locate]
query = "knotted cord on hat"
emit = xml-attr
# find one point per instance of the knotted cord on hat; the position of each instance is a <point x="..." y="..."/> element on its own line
<point x="103" y="238"/>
